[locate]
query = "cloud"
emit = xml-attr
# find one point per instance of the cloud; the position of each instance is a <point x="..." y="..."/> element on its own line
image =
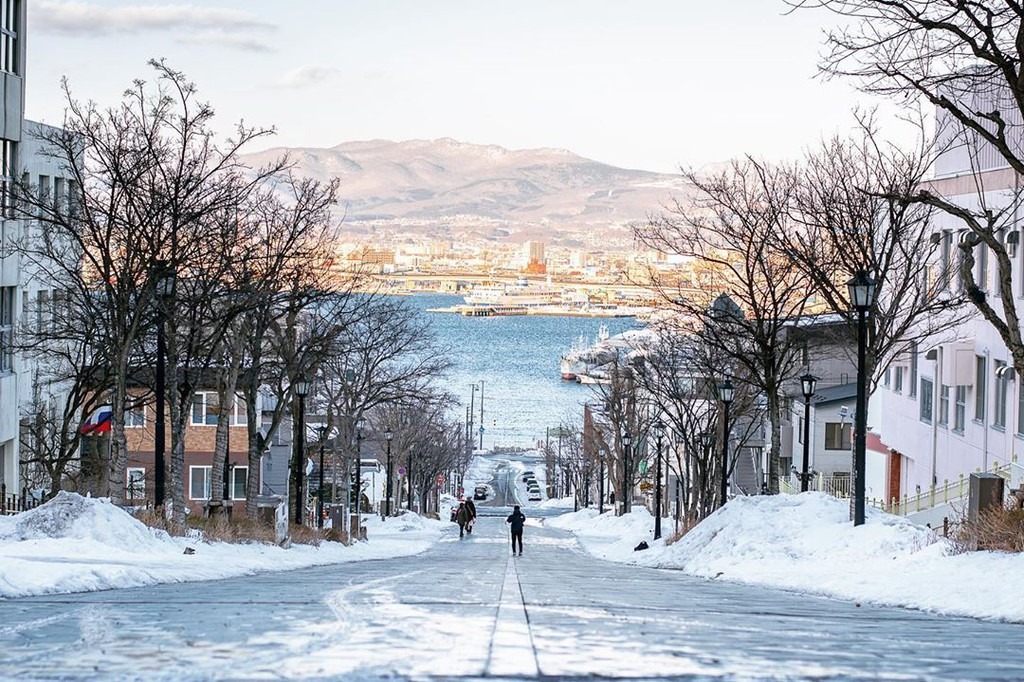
<point x="83" y="18"/>
<point x="233" y="41"/>
<point x="304" y="76"/>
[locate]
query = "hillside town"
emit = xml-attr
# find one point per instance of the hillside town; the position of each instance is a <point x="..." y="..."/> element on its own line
<point x="433" y="409"/>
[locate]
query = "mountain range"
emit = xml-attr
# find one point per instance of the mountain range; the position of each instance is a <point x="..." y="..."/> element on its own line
<point x="445" y="188"/>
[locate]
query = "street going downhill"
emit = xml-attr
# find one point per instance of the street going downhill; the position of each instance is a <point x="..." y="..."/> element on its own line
<point x="468" y="609"/>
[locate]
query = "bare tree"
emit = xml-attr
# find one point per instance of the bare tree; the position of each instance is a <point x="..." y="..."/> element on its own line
<point x="964" y="59"/>
<point x="853" y="215"/>
<point x="731" y="226"/>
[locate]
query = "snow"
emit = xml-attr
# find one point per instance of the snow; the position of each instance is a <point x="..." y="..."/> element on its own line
<point x="79" y="544"/>
<point x="804" y="543"/>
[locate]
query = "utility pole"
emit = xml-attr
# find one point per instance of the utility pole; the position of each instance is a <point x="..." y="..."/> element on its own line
<point x="481" y="414"/>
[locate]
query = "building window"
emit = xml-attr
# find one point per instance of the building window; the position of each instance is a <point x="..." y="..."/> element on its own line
<point x="205" y="408"/>
<point x="947" y="259"/>
<point x="887" y="377"/>
<point x="837" y="436"/>
<point x="238" y="412"/>
<point x="135" y="417"/>
<point x="913" y="370"/>
<point x="6" y="330"/>
<point x="135" y="484"/>
<point x="926" y="400"/>
<point x="1002" y="387"/>
<point x="9" y="15"/>
<point x="980" y="389"/>
<point x="800" y="429"/>
<point x="7" y="161"/>
<point x="239" y="479"/>
<point x="981" y="253"/>
<point x="1020" y="407"/>
<point x="944" y="404"/>
<point x="960" y="411"/>
<point x="199" y="483"/>
<point x="897" y="379"/>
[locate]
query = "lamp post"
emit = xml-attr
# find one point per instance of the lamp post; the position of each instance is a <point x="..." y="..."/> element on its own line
<point x="862" y="296"/>
<point x="626" y="470"/>
<point x="320" y="495"/>
<point x="807" y="382"/>
<point x="359" y="476"/>
<point x="659" y="428"/>
<point x="600" y="485"/>
<point x="301" y="388"/>
<point x="726" y="392"/>
<point x="164" y="288"/>
<point x="481" y="414"/>
<point x="388" y="435"/>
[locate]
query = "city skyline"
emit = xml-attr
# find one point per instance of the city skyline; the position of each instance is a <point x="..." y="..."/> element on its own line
<point x="653" y="86"/>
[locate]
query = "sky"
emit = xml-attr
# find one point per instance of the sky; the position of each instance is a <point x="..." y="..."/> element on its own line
<point x="803" y="543"/>
<point x="646" y="84"/>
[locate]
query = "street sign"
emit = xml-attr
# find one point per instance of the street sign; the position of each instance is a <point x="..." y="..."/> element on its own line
<point x="643" y="466"/>
<point x="401" y="471"/>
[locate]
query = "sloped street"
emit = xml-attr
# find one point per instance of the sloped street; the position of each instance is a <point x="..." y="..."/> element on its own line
<point x="467" y="609"/>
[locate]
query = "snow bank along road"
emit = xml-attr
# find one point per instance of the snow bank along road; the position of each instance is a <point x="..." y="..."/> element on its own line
<point x="466" y="609"/>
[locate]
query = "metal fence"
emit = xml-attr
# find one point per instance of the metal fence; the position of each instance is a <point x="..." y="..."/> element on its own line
<point x="949" y="491"/>
<point x="12" y="503"/>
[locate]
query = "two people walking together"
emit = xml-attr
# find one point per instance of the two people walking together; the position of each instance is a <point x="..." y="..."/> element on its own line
<point x="465" y="516"/>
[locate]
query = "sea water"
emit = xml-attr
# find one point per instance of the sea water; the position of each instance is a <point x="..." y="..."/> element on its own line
<point x="517" y="358"/>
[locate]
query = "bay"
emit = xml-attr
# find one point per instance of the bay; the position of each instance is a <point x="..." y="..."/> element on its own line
<point x="517" y="359"/>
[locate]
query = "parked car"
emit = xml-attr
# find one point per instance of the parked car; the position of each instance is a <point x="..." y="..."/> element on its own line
<point x="480" y="492"/>
<point x="534" y="496"/>
<point x="527" y="475"/>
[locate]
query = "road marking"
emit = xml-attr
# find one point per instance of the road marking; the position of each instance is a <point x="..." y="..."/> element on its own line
<point x="512" y="651"/>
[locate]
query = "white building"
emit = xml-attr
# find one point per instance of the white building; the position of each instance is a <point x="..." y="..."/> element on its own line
<point x="533" y="252"/>
<point x="14" y="380"/>
<point x="955" y="405"/>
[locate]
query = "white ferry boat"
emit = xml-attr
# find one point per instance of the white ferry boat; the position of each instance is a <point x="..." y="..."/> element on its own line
<point x="522" y="294"/>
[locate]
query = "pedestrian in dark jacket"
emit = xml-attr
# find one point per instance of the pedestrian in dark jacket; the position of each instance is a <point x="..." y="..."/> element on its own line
<point x="462" y="518"/>
<point x="517" y="519"/>
<point x="471" y="508"/>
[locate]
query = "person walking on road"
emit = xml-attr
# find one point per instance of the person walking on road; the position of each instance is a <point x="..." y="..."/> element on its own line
<point x="517" y="519"/>
<point x="462" y="518"/>
<point x="471" y="508"/>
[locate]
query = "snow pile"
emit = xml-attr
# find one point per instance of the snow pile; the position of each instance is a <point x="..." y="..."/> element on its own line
<point x="77" y="544"/>
<point x="807" y="543"/>
<point x="72" y="516"/>
<point x="558" y="503"/>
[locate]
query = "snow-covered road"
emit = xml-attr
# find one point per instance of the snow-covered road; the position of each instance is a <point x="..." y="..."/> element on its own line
<point x="466" y="609"/>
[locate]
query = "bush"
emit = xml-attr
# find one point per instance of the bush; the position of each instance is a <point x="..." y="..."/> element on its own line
<point x="996" y="529"/>
<point x="237" y="530"/>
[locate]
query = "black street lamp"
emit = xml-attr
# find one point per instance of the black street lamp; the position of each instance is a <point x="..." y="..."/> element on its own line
<point x="600" y="484"/>
<point x="359" y="476"/>
<point x="807" y="382"/>
<point x="301" y="388"/>
<point x="659" y="429"/>
<point x="726" y="392"/>
<point x="164" y="277"/>
<point x="626" y="470"/>
<point x="388" y="435"/>
<point x="862" y="296"/>
<point x="320" y="495"/>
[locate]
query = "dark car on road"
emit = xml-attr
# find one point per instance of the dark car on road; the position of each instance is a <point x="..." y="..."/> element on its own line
<point x="480" y="492"/>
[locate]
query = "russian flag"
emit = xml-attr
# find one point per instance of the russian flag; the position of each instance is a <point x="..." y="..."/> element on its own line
<point x="99" y="422"/>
